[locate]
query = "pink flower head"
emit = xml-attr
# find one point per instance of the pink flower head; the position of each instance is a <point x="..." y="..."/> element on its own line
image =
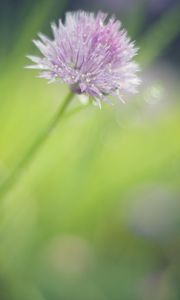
<point x="89" y="53"/>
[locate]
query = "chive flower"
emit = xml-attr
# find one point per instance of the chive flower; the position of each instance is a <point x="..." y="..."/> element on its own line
<point x="91" y="53"/>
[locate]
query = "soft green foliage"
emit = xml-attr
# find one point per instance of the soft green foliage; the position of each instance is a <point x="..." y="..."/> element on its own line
<point x="67" y="228"/>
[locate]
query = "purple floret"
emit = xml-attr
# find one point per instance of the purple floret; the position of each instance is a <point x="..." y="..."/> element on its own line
<point x="91" y="54"/>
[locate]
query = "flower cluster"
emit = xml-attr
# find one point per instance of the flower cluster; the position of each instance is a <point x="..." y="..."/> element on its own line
<point x="91" y="53"/>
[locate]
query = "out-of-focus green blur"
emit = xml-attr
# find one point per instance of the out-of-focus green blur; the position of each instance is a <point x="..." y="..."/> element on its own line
<point x="96" y="214"/>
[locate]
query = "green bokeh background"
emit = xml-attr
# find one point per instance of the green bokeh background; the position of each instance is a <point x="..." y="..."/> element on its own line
<point x="96" y="213"/>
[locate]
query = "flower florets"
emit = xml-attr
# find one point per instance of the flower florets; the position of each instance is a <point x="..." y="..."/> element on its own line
<point x="91" y="54"/>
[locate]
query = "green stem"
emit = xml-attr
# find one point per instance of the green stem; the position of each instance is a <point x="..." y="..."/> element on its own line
<point x="27" y="158"/>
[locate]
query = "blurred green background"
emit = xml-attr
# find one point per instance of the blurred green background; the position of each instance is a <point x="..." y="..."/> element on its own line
<point x="96" y="215"/>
